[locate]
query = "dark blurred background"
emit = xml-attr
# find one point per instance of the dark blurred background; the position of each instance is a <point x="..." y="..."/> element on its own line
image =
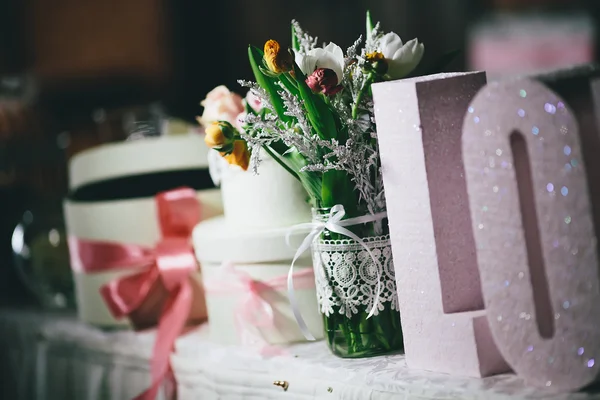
<point x="73" y="72"/>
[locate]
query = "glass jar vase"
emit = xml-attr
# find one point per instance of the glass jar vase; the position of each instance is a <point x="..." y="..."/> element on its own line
<point x="41" y="255"/>
<point x="346" y="278"/>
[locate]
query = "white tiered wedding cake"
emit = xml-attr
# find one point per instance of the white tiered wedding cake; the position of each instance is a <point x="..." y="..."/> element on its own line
<point x="251" y="237"/>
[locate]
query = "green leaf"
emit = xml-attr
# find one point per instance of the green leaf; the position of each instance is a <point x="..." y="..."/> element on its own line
<point x="319" y="114"/>
<point x="295" y="42"/>
<point x="370" y="26"/>
<point x="289" y="83"/>
<point x="442" y="63"/>
<point x="255" y="55"/>
<point x="310" y="180"/>
<point x="312" y="184"/>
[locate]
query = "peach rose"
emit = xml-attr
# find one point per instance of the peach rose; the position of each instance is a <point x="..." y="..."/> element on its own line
<point x="221" y="105"/>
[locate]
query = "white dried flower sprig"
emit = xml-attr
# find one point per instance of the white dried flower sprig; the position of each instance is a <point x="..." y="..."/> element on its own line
<point x="372" y="42"/>
<point x="305" y="41"/>
<point x="353" y="51"/>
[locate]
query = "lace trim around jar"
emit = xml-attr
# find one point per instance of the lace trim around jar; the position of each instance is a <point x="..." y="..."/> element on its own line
<point x="346" y="276"/>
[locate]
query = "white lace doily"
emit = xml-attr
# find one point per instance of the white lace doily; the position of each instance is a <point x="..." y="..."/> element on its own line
<point x="346" y="275"/>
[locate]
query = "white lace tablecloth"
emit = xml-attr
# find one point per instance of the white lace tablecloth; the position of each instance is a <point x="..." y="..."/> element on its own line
<point x="56" y="357"/>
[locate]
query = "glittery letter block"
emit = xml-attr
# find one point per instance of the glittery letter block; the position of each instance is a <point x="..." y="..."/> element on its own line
<point x="532" y="165"/>
<point x="419" y="126"/>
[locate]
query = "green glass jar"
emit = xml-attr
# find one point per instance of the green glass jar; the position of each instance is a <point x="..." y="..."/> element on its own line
<point x="347" y="279"/>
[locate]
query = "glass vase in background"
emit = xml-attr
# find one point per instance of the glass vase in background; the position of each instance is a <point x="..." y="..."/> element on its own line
<point x="41" y="255"/>
<point x="346" y="279"/>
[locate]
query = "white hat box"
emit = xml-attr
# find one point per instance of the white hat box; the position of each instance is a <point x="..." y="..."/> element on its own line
<point x="112" y="189"/>
<point x="263" y="254"/>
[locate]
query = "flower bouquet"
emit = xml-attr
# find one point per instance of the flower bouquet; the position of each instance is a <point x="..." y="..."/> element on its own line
<point x="316" y="120"/>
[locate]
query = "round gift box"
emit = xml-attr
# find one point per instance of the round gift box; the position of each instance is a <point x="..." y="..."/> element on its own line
<point x="271" y="198"/>
<point x="263" y="255"/>
<point x="112" y="199"/>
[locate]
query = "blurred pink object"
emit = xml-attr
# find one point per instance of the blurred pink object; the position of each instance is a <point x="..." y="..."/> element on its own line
<point x="254" y="313"/>
<point x="240" y="120"/>
<point x="509" y="45"/>
<point x="254" y="101"/>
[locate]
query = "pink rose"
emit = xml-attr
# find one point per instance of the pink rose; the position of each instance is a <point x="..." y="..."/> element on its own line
<point x="323" y="80"/>
<point x="254" y="101"/>
<point x="221" y="105"/>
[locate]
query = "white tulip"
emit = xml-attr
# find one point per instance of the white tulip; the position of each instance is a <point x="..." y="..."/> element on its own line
<point x="401" y="58"/>
<point x="331" y="57"/>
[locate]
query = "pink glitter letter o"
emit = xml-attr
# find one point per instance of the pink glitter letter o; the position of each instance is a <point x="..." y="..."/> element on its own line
<point x="534" y="232"/>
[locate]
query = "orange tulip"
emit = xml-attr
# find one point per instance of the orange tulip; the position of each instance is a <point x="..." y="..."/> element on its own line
<point x="240" y="155"/>
<point x="277" y="60"/>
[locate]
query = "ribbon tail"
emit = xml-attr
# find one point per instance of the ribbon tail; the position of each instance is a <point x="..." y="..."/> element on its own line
<point x="170" y="326"/>
<point x="364" y="219"/>
<point x="252" y="314"/>
<point x="338" y="229"/>
<point x="290" y="284"/>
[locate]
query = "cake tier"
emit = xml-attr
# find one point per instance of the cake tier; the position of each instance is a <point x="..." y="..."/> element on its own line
<point x="272" y="198"/>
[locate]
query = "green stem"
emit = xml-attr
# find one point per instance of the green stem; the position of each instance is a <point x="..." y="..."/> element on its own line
<point x="381" y="331"/>
<point x="364" y="328"/>
<point x="365" y="87"/>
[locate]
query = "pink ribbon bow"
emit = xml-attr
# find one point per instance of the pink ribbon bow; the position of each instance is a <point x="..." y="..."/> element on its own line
<point x="171" y="261"/>
<point x="253" y="312"/>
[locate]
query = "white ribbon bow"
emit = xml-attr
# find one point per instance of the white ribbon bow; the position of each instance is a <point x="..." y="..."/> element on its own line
<point x="333" y="224"/>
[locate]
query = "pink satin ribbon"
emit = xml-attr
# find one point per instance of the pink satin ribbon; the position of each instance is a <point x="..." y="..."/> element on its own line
<point x="253" y="312"/>
<point x="171" y="260"/>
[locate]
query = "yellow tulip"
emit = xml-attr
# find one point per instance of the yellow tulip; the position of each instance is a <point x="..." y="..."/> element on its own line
<point x="375" y="56"/>
<point x="377" y="61"/>
<point x="240" y="155"/>
<point x="214" y="135"/>
<point x="277" y="60"/>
